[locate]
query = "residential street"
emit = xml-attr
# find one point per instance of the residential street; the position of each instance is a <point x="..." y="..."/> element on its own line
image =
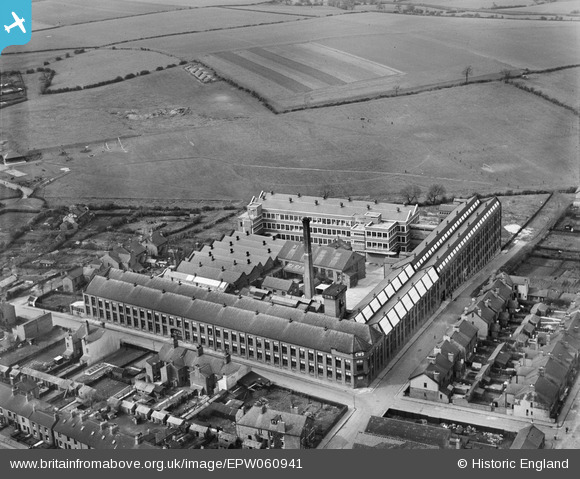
<point x="386" y="391"/>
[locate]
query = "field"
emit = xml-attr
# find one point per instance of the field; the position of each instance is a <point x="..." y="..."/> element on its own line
<point x="80" y="69"/>
<point x="562" y="85"/>
<point x="10" y="222"/>
<point x="120" y="30"/>
<point x="310" y="151"/>
<point x="563" y="6"/>
<point x="7" y="193"/>
<point x="560" y="8"/>
<point x="516" y="210"/>
<point x="223" y="144"/>
<point x="288" y="74"/>
<point x="54" y="13"/>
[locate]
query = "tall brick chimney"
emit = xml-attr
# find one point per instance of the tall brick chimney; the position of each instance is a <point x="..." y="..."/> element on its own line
<point x="308" y="266"/>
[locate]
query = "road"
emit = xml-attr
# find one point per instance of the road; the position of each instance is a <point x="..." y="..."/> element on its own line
<point x="385" y="392"/>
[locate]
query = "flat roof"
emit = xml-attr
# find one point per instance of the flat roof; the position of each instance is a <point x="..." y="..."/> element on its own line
<point x="339" y="207"/>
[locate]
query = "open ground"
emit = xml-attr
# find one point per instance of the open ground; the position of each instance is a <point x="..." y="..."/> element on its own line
<point x="223" y="144"/>
<point x="476" y="143"/>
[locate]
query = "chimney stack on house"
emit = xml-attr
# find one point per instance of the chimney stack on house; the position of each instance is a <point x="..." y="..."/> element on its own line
<point x="308" y="265"/>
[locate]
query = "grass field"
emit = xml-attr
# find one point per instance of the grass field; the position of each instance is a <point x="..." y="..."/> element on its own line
<point x="104" y="64"/>
<point x="563" y="7"/>
<point x="562" y="85"/>
<point x="490" y="4"/>
<point x="427" y="50"/>
<point x="6" y="192"/>
<point x="367" y="149"/>
<point x="10" y="222"/>
<point x="516" y="210"/>
<point x="119" y="30"/>
<point x="475" y="138"/>
<point x="67" y="12"/>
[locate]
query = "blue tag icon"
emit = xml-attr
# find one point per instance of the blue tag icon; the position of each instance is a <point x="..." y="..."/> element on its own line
<point x="16" y="22"/>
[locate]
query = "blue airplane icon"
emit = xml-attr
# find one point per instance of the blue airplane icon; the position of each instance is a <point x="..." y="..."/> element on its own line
<point x="18" y="22"/>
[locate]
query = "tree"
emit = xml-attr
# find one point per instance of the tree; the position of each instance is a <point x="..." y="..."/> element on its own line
<point x="468" y="70"/>
<point x="411" y="193"/>
<point x="435" y="192"/>
<point x="396" y="89"/>
<point x="506" y="74"/>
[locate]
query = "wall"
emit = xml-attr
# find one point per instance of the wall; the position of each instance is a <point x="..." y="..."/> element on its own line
<point x="34" y="328"/>
<point x="107" y="344"/>
<point x="227" y="382"/>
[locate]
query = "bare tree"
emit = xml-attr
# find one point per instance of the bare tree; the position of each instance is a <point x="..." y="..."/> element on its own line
<point x="396" y="89"/>
<point x="506" y="74"/>
<point x="468" y="70"/>
<point x="435" y="192"/>
<point x="411" y="193"/>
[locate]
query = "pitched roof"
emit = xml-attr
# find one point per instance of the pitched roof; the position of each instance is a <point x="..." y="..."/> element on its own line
<point x="409" y="431"/>
<point x="530" y="437"/>
<point x="322" y="256"/>
<point x="277" y="283"/>
<point x="313" y="331"/>
<point x="94" y="435"/>
<point x="440" y="365"/>
<point x="157" y="238"/>
<point x="276" y="421"/>
<point x="75" y="273"/>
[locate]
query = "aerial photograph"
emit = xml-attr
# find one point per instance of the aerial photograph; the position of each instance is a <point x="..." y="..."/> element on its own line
<point x="290" y="224"/>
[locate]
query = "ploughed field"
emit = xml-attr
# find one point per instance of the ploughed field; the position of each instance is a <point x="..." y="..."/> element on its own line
<point x="223" y="143"/>
<point x="364" y="56"/>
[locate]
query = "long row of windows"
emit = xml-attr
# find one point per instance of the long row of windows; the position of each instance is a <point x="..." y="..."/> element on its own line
<point x="298" y="218"/>
<point x="456" y="224"/>
<point x="238" y="343"/>
<point x="468" y="236"/>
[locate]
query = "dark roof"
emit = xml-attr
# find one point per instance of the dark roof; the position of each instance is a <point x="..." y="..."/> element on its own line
<point x="277" y="283"/>
<point x="90" y="433"/>
<point x="136" y="248"/>
<point x="369" y="334"/>
<point x="312" y="330"/>
<point x="448" y="347"/>
<point x="75" y="273"/>
<point x="409" y="431"/>
<point x="441" y="365"/>
<point x="530" y="437"/>
<point x="157" y="238"/>
<point x="322" y="256"/>
<point x="276" y="421"/>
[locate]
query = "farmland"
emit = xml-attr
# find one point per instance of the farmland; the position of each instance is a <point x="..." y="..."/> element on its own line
<point x="70" y="12"/>
<point x="79" y="69"/>
<point x="562" y="85"/>
<point x="120" y="30"/>
<point x="395" y="141"/>
<point x="182" y="140"/>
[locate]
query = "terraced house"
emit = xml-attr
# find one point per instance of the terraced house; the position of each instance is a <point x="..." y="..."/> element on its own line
<point x="311" y="344"/>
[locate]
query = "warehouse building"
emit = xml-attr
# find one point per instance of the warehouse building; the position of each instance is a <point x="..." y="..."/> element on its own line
<point x="460" y="246"/>
<point x="315" y="345"/>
